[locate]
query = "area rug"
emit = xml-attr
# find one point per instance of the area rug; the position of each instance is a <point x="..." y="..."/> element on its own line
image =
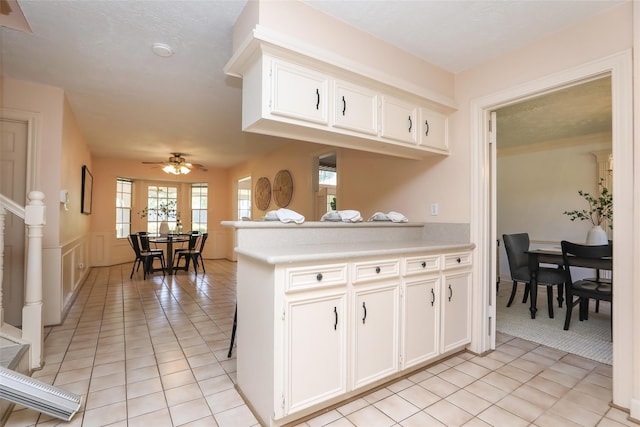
<point x="590" y="338"/>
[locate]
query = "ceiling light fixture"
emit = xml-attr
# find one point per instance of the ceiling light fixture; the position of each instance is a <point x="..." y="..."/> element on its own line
<point x="162" y="49"/>
<point x="176" y="169"/>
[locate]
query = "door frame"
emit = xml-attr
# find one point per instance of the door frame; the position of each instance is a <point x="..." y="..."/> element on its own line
<point x="483" y="220"/>
<point x="33" y="141"/>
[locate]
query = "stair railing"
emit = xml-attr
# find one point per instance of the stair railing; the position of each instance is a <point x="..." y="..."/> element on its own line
<point x="32" y="319"/>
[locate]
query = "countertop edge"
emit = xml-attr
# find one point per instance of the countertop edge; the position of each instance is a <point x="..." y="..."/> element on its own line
<point x="308" y="254"/>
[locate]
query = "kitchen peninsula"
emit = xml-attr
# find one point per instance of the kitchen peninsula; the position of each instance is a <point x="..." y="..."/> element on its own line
<point x="327" y="311"/>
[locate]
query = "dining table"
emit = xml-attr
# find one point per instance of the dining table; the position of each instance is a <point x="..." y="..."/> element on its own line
<point x="553" y="256"/>
<point x="169" y="240"/>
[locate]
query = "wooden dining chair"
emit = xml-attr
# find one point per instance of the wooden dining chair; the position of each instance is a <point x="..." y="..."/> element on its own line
<point x="579" y="292"/>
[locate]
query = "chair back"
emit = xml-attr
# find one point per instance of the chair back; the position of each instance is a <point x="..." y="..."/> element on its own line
<point x="144" y="241"/>
<point x="193" y="240"/>
<point x="135" y="244"/>
<point x="202" y="241"/>
<point x="516" y="246"/>
<point x="574" y="255"/>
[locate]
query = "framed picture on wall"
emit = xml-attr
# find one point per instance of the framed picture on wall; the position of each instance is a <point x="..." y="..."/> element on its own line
<point x="87" y="191"/>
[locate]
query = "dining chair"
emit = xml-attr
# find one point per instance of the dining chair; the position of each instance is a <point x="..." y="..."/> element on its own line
<point x="579" y="292"/>
<point x="193" y="255"/>
<point x="516" y="246"/>
<point x="142" y="257"/>
<point x="146" y="246"/>
<point x="191" y="245"/>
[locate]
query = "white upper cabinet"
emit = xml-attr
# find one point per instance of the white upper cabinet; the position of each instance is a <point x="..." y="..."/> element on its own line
<point x="433" y="130"/>
<point x="355" y="108"/>
<point x="299" y="93"/>
<point x="399" y="120"/>
<point x="291" y="94"/>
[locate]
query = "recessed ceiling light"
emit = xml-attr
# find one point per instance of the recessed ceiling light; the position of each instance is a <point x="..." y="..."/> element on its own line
<point x="162" y="49"/>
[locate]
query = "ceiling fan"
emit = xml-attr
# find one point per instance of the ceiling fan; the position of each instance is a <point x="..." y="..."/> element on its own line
<point x="177" y="165"/>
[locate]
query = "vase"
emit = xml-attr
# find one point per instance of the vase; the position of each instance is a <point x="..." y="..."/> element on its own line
<point x="597" y="236"/>
<point x="164" y="228"/>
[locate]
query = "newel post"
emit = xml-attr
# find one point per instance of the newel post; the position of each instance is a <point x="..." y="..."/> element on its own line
<point x="32" y="321"/>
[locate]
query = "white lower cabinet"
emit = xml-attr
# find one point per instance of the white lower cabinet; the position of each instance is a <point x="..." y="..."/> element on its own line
<point x="420" y="319"/>
<point x="456" y="309"/>
<point x="375" y="328"/>
<point x="341" y="327"/>
<point x="316" y="349"/>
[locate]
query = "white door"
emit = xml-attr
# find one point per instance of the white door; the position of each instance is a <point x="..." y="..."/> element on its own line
<point x="399" y="120"/>
<point x="316" y="350"/>
<point x="421" y="312"/>
<point x="355" y="108"/>
<point x="376" y="333"/>
<point x="13" y="177"/>
<point x="456" y="310"/>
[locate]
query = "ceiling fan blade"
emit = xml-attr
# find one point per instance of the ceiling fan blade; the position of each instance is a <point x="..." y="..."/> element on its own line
<point x="153" y="163"/>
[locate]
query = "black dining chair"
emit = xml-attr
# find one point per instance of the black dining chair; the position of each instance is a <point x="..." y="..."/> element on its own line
<point x="191" y="245"/>
<point x="193" y="255"/>
<point x="144" y="258"/>
<point x="579" y="292"/>
<point x="516" y="246"/>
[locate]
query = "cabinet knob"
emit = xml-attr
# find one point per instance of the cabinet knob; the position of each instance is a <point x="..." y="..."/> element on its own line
<point x="459" y="260"/>
<point x="433" y="297"/>
<point x="317" y="99"/>
<point x="450" y="292"/>
<point x="344" y="105"/>
<point x="377" y="270"/>
<point x="426" y="124"/>
<point x="424" y="264"/>
<point x="319" y="277"/>
<point x="410" y="124"/>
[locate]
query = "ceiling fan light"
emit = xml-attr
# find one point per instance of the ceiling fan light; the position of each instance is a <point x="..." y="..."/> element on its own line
<point x="184" y="170"/>
<point x="170" y="169"/>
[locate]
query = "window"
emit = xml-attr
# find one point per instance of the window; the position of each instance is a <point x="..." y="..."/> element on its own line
<point x="123" y="208"/>
<point x="199" y="192"/>
<point x="244" y="198"/>
<point x="328" y="180"/>
<point x="162" y="204"/>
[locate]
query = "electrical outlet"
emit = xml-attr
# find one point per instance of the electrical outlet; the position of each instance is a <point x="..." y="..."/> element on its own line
<point x="434" y="209"/>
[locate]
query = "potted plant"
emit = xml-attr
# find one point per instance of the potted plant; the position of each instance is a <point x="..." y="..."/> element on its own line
<point x="600" y="209"/>
<point x="164" y="212"/>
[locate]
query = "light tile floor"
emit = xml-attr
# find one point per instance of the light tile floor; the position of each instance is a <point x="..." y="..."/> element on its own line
<point x="154" y="353"/>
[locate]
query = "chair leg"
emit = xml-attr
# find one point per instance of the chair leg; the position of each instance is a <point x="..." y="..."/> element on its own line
<point x="597" y="306"/>
<point x="560" y="294"/>
<point x="233" y="331"/>
<point x="133" y="268"/>
<point x="513" y="293"/>
<point x="550" y="300"/>
<point x="527" y="291"/>
<point x="202" y="261"/>
<point x="569" y="305"/>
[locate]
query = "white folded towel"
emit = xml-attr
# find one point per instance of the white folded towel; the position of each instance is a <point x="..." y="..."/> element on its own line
<point x="284" y="215"/>
<point x="391" y="216"/>
<point x="331" y="216"/>
<point x="397" y="217"/>
<point x="350" y="216"/>
<point x="342" y="216"/>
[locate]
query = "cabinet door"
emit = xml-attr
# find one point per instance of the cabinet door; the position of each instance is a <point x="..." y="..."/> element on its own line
<point x="299" y="93"/>
<point x="399" y="120"/>
<point x="315" y="365"/>
<point x="433" y="130"/>
<point x="456" y="310"/>
<point x="420" y="306"/>
<point x="355" y="108"/>
<point x="375" y="352"/>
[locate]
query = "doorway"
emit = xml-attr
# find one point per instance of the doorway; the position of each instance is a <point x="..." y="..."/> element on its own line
<point x="484" y="226"/>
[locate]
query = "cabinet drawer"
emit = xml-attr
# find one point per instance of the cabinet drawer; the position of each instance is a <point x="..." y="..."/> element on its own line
<point x="373" y="270"/>
<point x="455" y="260"/>
<point x="421" y="264"/>
<point x="302" y="278"/>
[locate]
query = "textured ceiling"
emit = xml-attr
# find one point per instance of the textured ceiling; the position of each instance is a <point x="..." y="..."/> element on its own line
<point x="130" y="103"/>
<point x="576" y="111"/>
